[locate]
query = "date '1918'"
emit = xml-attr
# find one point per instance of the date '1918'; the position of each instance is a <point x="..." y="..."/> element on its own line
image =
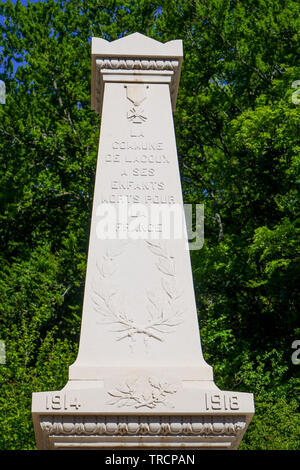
<point x="221" y="402"/>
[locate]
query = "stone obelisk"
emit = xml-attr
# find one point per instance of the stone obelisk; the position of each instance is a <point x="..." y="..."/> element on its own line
<point x="140" y="380"/>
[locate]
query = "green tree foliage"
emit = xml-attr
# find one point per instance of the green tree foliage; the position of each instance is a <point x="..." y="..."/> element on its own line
<point x="238" y="142"/>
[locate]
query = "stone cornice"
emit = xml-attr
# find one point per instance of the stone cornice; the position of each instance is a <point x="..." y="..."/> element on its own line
<point x="137" y="64"/>
<point x="132" y="69"/>
<point x="143" y="425"/>
<point x="99" y="431"/>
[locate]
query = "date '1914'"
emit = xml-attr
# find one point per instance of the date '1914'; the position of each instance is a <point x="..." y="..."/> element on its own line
<point x="62" y="401"/>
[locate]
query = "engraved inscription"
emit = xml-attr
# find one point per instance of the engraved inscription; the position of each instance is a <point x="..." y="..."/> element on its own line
<point x="62" y="401"/>
<point x="137" y="145"/>
<point x="139" y="176"/>
<point x="221" y="402"/>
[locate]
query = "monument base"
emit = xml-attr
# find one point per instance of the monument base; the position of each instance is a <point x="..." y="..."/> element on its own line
<point x="140" y="432"/>
<point x="196" y="416"/>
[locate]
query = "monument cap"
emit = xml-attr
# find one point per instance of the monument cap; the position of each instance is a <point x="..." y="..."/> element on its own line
<point x="134" y="56"/>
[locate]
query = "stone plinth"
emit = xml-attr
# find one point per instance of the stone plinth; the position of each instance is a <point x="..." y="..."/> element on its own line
<point x="140" y="380"/>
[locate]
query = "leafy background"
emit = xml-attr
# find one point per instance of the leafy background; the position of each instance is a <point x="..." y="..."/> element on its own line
<point x="238" y="143"/>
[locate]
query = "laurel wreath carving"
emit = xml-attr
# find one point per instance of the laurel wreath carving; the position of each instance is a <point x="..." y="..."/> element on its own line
<point x="153" y="393"/>
<point x="163" y="314"/>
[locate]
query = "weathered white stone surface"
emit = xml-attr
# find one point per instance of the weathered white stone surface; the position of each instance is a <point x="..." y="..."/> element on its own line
<point x="140" y="379"/>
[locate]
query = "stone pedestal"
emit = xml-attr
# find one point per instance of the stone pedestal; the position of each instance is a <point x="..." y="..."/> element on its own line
<point x="140" y="380"/>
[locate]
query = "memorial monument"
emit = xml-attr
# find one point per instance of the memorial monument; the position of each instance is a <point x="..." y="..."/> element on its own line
<point x="140" y="380"/>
